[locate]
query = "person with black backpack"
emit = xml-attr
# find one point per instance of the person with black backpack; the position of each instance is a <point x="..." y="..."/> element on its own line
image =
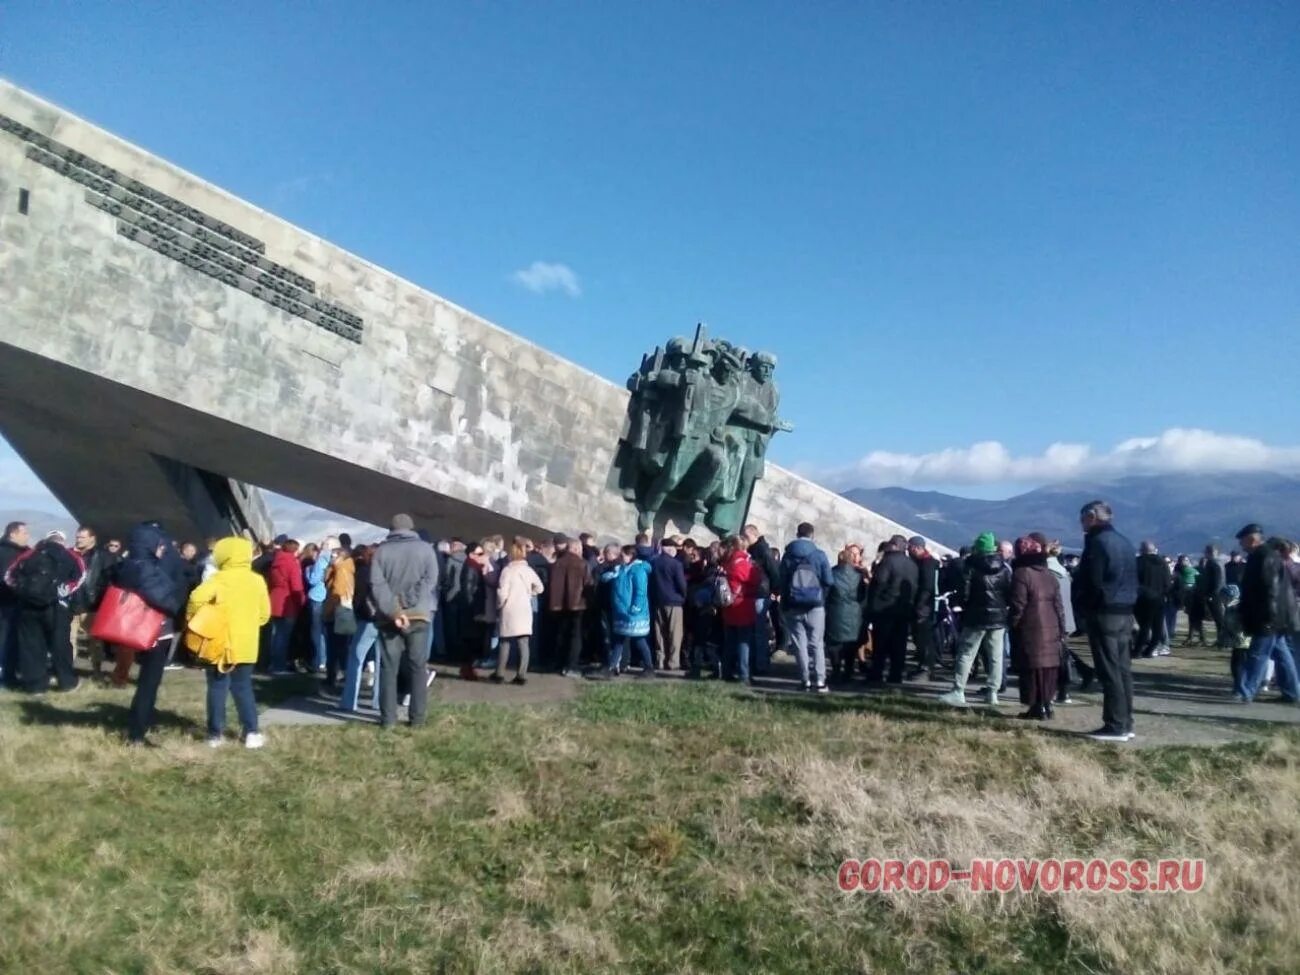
<point x="43" y="580"/>
<point x="805" y="579"/>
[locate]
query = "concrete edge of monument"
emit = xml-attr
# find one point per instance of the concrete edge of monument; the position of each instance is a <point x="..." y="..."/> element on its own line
<point x="166" y="345"/>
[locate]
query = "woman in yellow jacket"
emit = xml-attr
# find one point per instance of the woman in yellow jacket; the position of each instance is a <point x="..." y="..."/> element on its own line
<point x="241" y="594"/>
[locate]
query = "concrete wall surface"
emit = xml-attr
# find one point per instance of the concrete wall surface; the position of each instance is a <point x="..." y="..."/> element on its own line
<point x="144" y="311"/>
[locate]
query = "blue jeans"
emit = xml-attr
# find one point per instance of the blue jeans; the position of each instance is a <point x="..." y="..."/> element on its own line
<point x="239" y="682"/>
<point x="1171" y="622"/>
<point x="735" y="651"/>
<point x="366" y="638"/>
<point x="761" y="646"/>
<point x="318" y="634"/>
<point x="439" y="648"/>
<point x="281" y="634"/>
<point x="1273" y="646"/>
<point x="618" y="651"/>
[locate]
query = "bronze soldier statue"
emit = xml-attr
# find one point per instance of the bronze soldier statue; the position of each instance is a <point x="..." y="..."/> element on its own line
<point x="699" y="421"/>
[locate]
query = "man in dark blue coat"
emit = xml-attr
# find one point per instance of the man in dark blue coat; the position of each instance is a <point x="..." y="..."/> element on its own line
<point x="1106" y="587"/>
<point x="668" y="597"/>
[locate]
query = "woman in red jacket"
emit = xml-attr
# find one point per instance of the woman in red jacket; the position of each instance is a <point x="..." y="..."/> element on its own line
<point x="288" y="594"/>
<point x="745" y="579"/>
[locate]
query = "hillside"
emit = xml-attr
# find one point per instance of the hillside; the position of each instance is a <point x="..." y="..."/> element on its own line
<point x="1182" y="512"/>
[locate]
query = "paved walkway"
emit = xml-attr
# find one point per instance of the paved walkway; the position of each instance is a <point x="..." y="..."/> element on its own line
<point x="1184" y="699"/>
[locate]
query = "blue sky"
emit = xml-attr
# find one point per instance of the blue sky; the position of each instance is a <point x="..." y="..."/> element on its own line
<point x="954" y="223"/>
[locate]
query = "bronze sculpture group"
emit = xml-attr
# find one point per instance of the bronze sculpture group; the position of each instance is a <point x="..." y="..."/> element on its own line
<point x="695" y="438"/>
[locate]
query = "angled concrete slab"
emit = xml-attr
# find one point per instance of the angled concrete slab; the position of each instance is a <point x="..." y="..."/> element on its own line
<point x="146" y="314"/>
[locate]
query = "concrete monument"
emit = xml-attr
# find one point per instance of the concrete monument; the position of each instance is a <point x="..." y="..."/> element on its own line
<point x="165" y="345"/>
<point x="695" y="438"/>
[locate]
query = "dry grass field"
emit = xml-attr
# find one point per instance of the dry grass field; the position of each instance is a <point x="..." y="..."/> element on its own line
<point x="641" y="828"/>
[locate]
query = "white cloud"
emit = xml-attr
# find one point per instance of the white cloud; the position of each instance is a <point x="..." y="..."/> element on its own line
<point x="1174" y="451"/>
<point x="541" y="277"/>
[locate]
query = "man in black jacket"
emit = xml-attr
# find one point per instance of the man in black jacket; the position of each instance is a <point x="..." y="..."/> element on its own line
<point x="1269" y="615"/>
<point x="1154" y="581"/>
<point x="769" y="624"/>
<point x="667" y="602"/>
<point x="1209" y="586"/>
<point x="986" y="595"/>
<point x="891" y="607"/>
<point x="14" y="543"/>
<point x="1106" y="587"/>
<point x="927" y="567"/>
<point x="85" y="600"/>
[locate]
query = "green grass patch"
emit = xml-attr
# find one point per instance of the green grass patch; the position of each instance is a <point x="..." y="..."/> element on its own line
<point x="641" y="828"/>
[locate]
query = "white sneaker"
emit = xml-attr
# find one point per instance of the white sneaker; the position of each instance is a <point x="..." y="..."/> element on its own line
<point x="406" y="701"/>
<point x="216" y="741"/>
<point x="254" y="740"/>
<point x="428" y="681"/>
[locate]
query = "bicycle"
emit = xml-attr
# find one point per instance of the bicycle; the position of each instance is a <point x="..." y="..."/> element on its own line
<point x="946" y="627"/>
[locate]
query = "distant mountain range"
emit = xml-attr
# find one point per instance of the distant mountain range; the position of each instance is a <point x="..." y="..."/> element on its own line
<point x="1180" y="512"/>
<point x="291" y="517"/>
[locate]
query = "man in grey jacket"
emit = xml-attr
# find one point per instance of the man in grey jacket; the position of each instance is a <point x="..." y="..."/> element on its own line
<point x="403" y="579"/>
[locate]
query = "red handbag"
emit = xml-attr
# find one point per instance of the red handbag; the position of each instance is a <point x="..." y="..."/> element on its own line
<point x="126" y="620"/>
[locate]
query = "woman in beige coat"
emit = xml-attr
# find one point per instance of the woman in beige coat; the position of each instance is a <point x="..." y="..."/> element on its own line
<point x="517" y="587"/>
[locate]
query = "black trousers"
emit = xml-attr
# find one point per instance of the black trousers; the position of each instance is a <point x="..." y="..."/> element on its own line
<point x="1150" y="614"/>
<point x="1215" y="605"/>
<point x="1195" y="618"/>
<point x="889" y="644"/>
<point x="147" y="681"/>
<point x="923" y="637"/>
<point x="842" y="657"/>
<point x="45" y="638"/>
<point x="9" y="643"/>
<point x="568" y="638"/>
<point x="1111" y="638"/>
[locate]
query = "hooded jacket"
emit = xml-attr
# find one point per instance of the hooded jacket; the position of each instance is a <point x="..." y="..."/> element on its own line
<point x="315" y="576"/>
<point x="746" y="580"/>
<point x="240" y="592"/>
<point x="631" y="599"/>
<point x="284" y="581"/>
<point x="796" y="553"/>
<point x="986" y="592"/>
<point x="144" y="574"/>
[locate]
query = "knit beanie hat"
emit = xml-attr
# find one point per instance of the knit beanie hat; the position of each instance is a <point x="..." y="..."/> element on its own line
<point x="985" y="544"/>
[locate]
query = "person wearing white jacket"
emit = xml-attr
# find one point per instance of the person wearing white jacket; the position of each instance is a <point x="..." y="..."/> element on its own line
<point x="517" y="584"/>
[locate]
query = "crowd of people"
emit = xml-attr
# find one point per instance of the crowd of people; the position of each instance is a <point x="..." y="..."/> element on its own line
<point x="720" y="610"/>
